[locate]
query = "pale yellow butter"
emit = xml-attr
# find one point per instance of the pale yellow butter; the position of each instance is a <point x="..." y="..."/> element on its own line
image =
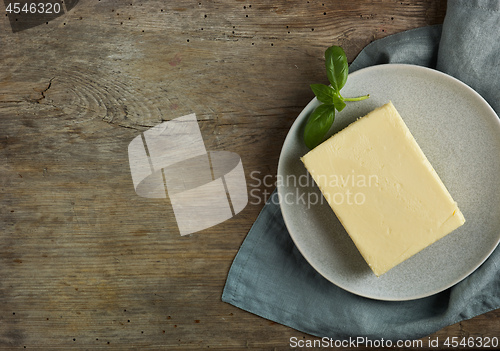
<point x="383" y="189"/>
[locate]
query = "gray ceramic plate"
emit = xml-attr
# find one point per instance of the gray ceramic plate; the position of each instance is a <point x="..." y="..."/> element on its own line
<point x="460" y="135"/>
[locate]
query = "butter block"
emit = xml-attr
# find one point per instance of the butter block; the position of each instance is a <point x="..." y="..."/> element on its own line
<point x="383" y="189"/>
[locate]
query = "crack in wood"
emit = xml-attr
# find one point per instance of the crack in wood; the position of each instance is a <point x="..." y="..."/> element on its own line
<point x="44" y="91"/>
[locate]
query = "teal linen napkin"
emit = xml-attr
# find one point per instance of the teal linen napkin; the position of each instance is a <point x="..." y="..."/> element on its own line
<point x="270" y="278"/>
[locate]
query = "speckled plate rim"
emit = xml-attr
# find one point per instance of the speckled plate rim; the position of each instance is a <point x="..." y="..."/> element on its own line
<point x="286" y="214"/>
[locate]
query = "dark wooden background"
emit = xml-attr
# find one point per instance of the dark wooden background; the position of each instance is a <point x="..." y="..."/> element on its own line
<point x="85" y="263"/>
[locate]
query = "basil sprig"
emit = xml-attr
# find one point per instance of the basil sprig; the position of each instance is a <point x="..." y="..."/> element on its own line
<point x="321" y="119"/>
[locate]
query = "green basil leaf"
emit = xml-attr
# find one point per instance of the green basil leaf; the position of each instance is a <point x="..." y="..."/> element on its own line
<point x="318" y="124"/>
<point x="337" y="67"/>
<point x="327" y="95"/>
<point x="323" y="93"/>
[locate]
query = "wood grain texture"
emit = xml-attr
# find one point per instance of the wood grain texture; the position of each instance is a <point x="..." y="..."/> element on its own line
<point x="84" y="262"/>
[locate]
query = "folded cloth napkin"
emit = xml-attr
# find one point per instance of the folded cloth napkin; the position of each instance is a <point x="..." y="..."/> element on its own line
<point x="270" y="278"/>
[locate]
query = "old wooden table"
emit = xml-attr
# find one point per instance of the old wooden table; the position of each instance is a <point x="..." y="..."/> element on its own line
<point x="85" y="263"/>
